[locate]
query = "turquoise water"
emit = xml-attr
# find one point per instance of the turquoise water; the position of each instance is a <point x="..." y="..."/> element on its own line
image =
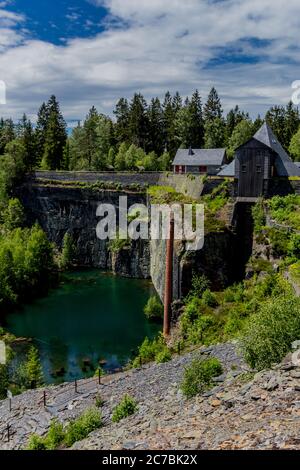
<point x="91" y="317"/>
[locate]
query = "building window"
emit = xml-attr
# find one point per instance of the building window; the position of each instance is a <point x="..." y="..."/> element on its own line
<point x="202" y="169"/>
<point x="244" y="168"/>
<point x="258" y="169"/>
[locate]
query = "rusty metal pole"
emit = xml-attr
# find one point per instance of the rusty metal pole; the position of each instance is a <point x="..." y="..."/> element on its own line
<point x="169" y="278"/>
<point x="44" y="398"/>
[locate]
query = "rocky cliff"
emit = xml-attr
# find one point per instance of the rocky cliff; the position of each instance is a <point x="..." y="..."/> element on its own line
<point x="61" y="208"/>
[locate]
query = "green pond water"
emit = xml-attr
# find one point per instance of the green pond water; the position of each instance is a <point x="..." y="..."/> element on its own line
<point x="91" y="317"/>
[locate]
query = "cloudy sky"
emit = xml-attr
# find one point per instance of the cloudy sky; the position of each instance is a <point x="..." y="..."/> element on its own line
<point x="95" y="51"/>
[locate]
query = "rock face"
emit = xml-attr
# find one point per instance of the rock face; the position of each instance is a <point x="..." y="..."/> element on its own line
<point x="243" y="410"/>
<point x="59" y="210"/>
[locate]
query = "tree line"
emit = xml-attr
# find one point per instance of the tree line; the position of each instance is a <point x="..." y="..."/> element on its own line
<point x="140" y="136"/>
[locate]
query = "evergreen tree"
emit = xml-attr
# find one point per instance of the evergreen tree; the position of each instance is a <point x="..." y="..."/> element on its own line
<point x="34" y="371"/>
<point x="257" y="124"/>
<point x="156" y="119"/>
<point x="233" y="118"/>
<point x="56" y="137"/>
<point x="138" y="121"/>
<point x="275" y="117"/>
<point x="90" y="136"/>
<point x="215" y="130"/>
<point x="7" y="133"/>
<point x="213" y="108"/>
<point x="122" y="121"/>
<point x="68" y="252"/>
<point x="26" y="136"/>
<point x="40" y="132"/>
<point x="214" y="133"/>
<point x="170" y="112"/>
<point x="189" y="123"/>
<point x="292" y="123"/>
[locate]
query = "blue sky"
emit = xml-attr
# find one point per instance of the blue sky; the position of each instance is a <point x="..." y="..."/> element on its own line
<point x="58" y="20"/>
<point x="95" y="51"/>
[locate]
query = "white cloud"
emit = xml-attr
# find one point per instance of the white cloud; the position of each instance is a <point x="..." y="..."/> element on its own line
<point x="161" y="45"/>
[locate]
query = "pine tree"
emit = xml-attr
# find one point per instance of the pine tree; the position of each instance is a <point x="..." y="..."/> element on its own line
<point x="275" y="117"/>
<point x="257" y="124"/>
<point x="40" y="132"/>
<point x="27" y="138"/>
<point x="213" y="108"/>
<point x="56" y="137"/>
<point x="7" y="133"/>
<point x="292" y="123"/>
<point x="34" y="371"/>
<point x="90" y="131"/>
<point x="122" y="121"/>
<point x="138" y="121"/>
<point x="233" y="118"/>
<point x="215" y="131"/>
<point x="155" y="118"/>
<point x="68" y="252"/>
<point x="170" y="112"/>
<point x="189" y="123"/>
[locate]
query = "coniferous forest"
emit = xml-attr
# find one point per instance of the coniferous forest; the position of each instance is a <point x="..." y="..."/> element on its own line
<point x="139" y="136"/>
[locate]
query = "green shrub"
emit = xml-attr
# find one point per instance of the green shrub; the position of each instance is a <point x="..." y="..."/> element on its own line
<point x="154" y="308"/>
<point x="81" y="427"/>
<point x="279" y="240"/>
<point x="149" y="350"/>
<point x="126" y="407"/>
<point x="270" y="332"/>
<point x="55" y="435"/>
<point x="74" y="431"/>
<point x="198" y="376"/>
<point x="209" y="299"/>
<point x="200" y="284"/>
<point x="259" y="218"/>
<point x="36" y="442"/>
<point x="163" y="356"/>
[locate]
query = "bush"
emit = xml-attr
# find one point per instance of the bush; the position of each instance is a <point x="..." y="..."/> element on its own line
<point x="36" y="442"/>
<point x="55" y="435"/>
<point x="153" y="350"/>
<point x="259" y="218"/>
<point x="125" y="408"/>
<point x="200" y="284"/>
<point x="74" y="431"/>
<point x="82" y="426"/>
<point x="154" y="308"/>
<point x="270" y="332"/>
<point x="163" y="356"/>
<point x="198" y="376"/>
<point x="209" y="299"/>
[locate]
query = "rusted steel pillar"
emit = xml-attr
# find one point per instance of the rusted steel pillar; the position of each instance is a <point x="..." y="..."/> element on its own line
<point x="169" y="278"/>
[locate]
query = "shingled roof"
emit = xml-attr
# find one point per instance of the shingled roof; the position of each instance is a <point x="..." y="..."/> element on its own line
<point x="197" y="157"/>
<point x="283" y="163"/>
